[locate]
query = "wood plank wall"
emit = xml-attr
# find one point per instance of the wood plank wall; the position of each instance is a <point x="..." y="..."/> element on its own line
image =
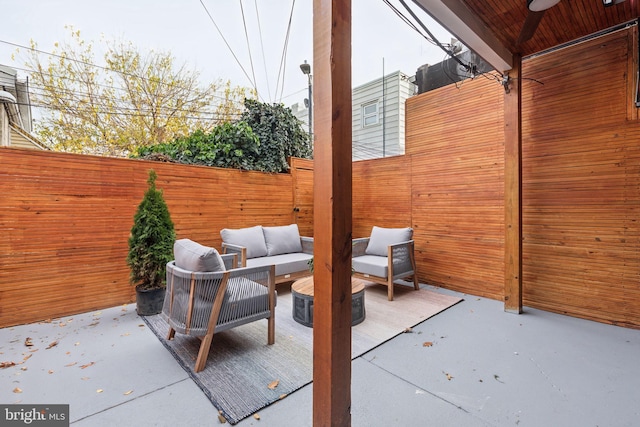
<point x="455" y="141"/>
<point x="381" y="194"/>
<point x="581" y="182"/>
<point x="65" y="220"/>
<point x="302" y="174"/>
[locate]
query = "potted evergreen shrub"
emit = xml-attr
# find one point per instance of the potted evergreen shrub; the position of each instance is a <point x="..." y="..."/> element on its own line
<point x="150" y="249"/>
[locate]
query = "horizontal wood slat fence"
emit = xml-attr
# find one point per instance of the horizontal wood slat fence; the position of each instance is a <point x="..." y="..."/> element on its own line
<point x="455" y="140"/>
<point x="581" y="182"/>
<point x="580" y="191"/>
<point x="65" y="219"/>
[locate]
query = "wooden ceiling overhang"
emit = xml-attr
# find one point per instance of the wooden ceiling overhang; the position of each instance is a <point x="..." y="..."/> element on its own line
<point x="491" y="28"/>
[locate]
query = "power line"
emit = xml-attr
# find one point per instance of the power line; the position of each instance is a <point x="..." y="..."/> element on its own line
<point x="78" y="91"/>
<point x="264" y="60"/>
<point x="295" y="93"/>
<point x="229" y="47"/>
<point x="121" y="107"/>
<point x="283" y="59"/>
<point x="469" y="68"/>
<point x="41" y="89"/>
<point x="440" y="45"/>
<point x="407" y="21"/>
<point x="76" y="96"/>
<point x="75" y="80"/>
<point x="139" y="113"/>
<point x="246" y="36"/>
<point x="83" y="62"/>
<point x="60" y="56"/>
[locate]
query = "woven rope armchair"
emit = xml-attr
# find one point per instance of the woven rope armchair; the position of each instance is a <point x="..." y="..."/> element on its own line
<point x="201" y="304"/>
<point x="384" y="257"/>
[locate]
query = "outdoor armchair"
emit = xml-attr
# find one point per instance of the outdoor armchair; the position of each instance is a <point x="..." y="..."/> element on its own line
<point x="384" y="257"/>
<point x="202" y="303"/>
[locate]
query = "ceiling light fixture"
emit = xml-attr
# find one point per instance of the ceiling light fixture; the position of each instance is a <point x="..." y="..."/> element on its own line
<point x="540" y="5"/>
<point x="608" y="3"/>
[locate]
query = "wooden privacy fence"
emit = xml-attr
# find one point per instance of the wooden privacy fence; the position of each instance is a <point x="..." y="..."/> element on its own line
<point x="65" y="219"/>
<point x="580" y="183"/>
<point x="65" y="222"/>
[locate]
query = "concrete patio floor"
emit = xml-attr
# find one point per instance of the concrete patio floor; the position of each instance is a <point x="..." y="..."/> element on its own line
<point x="472" y="365"/>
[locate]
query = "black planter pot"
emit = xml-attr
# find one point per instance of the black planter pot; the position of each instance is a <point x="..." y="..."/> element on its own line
<point x="149" y="301"/>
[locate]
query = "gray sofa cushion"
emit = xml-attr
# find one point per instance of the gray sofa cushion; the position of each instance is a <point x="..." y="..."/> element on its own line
<point x="282" y="240"/>
<point x="251" y="238"/>
<point x="193" y="256"/>
<point x="381" y="238"/>
<point x="285" y="263"/>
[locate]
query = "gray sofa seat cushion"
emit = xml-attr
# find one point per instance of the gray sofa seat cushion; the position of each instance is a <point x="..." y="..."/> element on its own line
<point x="381" y="238"/>
<point x="251" y="238"/>
<point x="371" y="264"/>
<point x="282" y="239"/>
<point x="193" y="256"/>
<point x="285" y="263"/>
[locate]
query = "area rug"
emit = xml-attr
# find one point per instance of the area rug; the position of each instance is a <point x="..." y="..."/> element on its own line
<point x="243" y="374"/>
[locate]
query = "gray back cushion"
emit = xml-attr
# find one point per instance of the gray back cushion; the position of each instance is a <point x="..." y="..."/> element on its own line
<point x="282" y="240"/>
<point x="383" y="237"/>
<point x="193" y="256"/>
<point x="251" y="238"/>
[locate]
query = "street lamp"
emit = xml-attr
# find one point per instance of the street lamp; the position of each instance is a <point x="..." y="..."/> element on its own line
<point x="306" y="69"/>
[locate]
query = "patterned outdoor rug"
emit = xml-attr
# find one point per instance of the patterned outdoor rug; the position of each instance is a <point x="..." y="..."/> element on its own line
<point x="242" y="370"/>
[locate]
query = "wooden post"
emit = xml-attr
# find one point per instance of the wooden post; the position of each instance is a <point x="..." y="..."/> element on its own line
<point x="332" y="213"/>
<point x="513" y="189"/>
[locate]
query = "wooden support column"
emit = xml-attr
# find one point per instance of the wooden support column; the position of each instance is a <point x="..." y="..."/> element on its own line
<point x="332" y="213"/>
<point x="513" y="189"/>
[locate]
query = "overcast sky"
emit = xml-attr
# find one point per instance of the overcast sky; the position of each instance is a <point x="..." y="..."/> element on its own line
<point x="380" y="40"/>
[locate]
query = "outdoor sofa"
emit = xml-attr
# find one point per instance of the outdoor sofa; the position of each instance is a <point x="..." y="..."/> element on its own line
<point x="281" y="246"/>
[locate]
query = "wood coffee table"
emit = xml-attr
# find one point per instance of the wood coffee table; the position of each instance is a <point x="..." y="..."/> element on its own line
<point x="302" y="295"/>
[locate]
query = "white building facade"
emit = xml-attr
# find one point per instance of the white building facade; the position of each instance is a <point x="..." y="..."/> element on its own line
<point x="15" y="111"/>
<point x="378" y="116"/>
